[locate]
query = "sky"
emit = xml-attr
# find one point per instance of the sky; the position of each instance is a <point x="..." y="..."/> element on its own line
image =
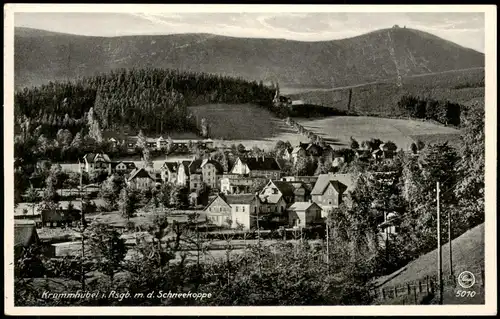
<point x="464" y="28"/>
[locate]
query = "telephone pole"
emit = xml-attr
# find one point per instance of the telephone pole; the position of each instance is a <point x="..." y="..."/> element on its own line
<point x="449" y="243"/>
<point x="440" y="263"/>
<point x="82" y="226"/>
<point x="328" y="243"/>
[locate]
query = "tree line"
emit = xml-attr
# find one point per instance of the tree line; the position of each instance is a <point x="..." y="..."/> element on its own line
<point x="444" y="112"/>
<point x="154" y="100"/>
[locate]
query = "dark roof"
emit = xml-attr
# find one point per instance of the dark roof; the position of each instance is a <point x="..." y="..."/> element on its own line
<point x="286" y="188"/>
<point x="298" y="184"/>
<point x="218" y="166"/>
<point x="141" y="172"/>
<point x="25" y="234"/>
<point x="261" y="164"/>
<point x="171" y="166"/>
<point x="60" y="215"/>
<point x="186" y="166"/>
<point x="239" y="198"/>
<point x="339" y="187"/>
<point x="195" y="166"/>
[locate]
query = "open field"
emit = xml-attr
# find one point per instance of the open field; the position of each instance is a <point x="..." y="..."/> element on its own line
<point x="247" y="124"/>
<point x="338" y="130"/>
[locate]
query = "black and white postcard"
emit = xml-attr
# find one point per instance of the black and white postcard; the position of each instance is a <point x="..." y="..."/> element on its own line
<point x="264" y="159"/>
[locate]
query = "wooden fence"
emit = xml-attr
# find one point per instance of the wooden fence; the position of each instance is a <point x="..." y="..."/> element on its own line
<point x="414" y="292"/>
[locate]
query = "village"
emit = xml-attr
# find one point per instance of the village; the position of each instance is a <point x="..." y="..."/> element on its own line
<point x="252" y="192"/>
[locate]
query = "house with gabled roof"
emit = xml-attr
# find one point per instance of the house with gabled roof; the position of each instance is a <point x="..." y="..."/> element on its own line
<point x="161" y="143"/>
<point x="211" y="172"/>
<point x="299" y="151"/>
<point x="141" y="178"/>
<point x="275" y="198"/>
<point x="183" y="173"/>
<point x="330" y="190"/>
<point x="244" y="209"/>
<point x="258" y="166"/>
<point x="168" y="172"/>
<point x="218" y="211"/>
<point x="304" y="214"/>
<point x="123" y="167"/>
<point x="305" y="150"/>
<point x="96" y="161"/>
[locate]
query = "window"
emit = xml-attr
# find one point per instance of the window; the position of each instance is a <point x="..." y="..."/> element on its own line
<point x="242" y="208"/>
<point x="236" y="208"/>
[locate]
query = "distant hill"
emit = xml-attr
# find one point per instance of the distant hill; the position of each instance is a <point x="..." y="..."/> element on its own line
<point x="42" y="56"/>
<point x="381" y="98"/>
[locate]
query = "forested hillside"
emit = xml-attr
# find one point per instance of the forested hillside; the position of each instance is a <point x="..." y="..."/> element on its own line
<point x="383" y="54"/>
<point x="152" y="100"/>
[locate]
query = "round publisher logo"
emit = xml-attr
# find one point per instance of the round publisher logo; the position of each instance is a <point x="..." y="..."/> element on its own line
<point x="466" y="279"/>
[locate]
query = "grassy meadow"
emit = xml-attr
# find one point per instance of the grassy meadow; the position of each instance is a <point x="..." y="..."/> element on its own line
<point x="247" y="124"/>
<point x="338" y="130"/>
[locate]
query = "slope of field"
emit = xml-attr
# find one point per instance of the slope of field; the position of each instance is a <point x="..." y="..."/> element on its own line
<point x="338" y="130"/>
<point x="468" y="255"/>
<point x="247" y="124"/>
<point x="381" y="98"/>
<point x="42" y="56"/>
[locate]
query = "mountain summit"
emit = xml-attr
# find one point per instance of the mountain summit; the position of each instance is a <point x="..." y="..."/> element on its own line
<point x="42" y="56"/>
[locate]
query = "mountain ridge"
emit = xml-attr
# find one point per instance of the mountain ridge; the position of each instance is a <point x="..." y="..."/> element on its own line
<point x="42" y="56"/>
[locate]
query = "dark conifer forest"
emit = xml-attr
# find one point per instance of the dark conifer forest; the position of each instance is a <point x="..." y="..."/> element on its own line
<point x="152" y="100"/>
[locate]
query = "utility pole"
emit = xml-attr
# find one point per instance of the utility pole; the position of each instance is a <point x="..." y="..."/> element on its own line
<point x="328" y="243"/>
<point x="440" y="263"/>
<point x="82" y="226"/>
<point x="449" y="243"/>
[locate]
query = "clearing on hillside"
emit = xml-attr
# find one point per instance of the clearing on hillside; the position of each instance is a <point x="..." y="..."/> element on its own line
<point x="338" y="130"/>
<point x="247" y="124"/>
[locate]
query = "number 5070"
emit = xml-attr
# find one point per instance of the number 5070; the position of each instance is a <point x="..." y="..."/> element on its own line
<point x="465" y="294"/>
